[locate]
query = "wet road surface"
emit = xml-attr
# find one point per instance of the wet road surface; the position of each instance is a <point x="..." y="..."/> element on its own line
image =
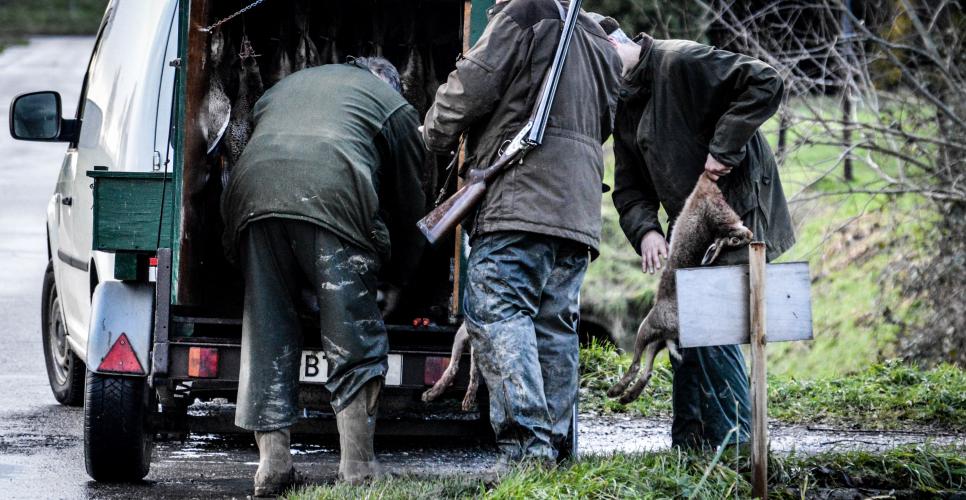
<point x="41" y="442"/>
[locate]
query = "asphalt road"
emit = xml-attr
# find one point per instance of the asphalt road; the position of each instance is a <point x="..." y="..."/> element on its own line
<point x="41" y="442"/>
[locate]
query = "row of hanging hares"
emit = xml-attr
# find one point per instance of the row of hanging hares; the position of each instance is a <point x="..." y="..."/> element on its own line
<point x="239" y="73"/>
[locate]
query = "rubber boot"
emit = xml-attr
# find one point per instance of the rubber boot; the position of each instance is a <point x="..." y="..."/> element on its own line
<point x="357" y="425"/>
<point x="275" y="470"/>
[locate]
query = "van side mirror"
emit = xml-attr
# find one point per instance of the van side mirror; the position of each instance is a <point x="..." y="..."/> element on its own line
<point x="37" y="117"/>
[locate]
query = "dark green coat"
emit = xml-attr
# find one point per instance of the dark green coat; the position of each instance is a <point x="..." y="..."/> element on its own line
<point x="336" y="146"/>
<point x="682" y="101"/>
<point x="556" y="191"/>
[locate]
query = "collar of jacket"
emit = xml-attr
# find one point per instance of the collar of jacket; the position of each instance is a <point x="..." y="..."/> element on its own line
<point x="638" y="80"/>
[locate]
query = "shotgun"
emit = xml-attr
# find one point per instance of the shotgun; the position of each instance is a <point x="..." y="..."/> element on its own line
<point x="451" y="212"/>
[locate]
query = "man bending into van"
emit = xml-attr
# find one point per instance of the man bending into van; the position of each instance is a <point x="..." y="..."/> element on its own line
<point x="331" y="171"/>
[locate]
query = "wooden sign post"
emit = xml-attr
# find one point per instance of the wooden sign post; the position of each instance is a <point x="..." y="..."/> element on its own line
<point x="732" y="305"/>
<point x="759" y="384"/>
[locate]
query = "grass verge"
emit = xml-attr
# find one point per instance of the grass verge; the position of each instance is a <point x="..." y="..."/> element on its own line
<point x="889" y="395"/>
<point x="50" y="17"/>
<point x="22" y="18"/>
<point x="919" y="471"/>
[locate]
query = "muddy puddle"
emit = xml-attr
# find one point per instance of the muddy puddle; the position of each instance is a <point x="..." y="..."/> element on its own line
<point x="610" y="434"/>
<point x="599" y="435"/>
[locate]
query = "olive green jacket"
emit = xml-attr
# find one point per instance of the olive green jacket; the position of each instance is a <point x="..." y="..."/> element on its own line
<point x="682" y="101"/>
<point x="336" y="146"/>
<point x="490" y="96"/>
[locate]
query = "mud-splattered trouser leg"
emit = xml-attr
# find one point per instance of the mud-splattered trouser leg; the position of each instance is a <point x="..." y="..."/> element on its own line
<point x="710" y="397"/>
<point x="279" y="257"/>
<point x="522" y="307"/>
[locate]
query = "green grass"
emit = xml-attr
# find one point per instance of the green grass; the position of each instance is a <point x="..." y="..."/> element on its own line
<point x="601" y="366"/>
<point x="851" y="242"/>
<point x="400" y="487"/>
<point x="920" y="471"/>
<point x="890" y="395"/>
<point x="22" y="18"/>
<point x="19" y="18"/>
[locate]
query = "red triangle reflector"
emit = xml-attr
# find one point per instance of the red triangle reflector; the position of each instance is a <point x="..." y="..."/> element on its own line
<point x="121" y="358"/>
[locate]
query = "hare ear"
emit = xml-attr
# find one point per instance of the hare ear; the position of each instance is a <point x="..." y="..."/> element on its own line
<point x="712" y="253"/>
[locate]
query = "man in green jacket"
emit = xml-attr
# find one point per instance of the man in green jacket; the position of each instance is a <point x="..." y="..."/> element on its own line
<point x="533" y="234"/>
<point x="330" y="175"/>
<point x="685" y="109"/>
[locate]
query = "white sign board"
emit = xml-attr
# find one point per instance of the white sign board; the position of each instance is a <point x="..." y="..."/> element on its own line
<point x="713" y="304"/>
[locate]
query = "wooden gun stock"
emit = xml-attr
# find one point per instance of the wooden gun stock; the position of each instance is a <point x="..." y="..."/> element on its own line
<point x="448" y="214"/>
<point x="451" y="212"/>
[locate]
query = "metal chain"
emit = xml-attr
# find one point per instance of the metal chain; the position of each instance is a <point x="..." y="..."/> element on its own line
<point x="251" y="6"/>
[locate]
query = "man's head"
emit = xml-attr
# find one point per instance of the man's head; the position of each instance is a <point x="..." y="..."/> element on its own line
<point x="383" y="69"/>
<point x="629" y="52"/>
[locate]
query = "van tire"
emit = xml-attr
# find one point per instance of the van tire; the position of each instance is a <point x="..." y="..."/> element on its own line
<point x="117" y="440"/>
<point x="65" y="370"/>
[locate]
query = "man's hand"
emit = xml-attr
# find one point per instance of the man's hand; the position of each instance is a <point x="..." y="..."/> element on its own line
<point x="715" y="169"/>
<point x="653" y="250"/>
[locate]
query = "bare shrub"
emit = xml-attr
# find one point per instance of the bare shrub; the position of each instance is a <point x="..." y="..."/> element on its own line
<point x="898" y="70"/>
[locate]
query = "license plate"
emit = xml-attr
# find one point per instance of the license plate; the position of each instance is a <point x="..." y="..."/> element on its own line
<point x="315" y="369"/>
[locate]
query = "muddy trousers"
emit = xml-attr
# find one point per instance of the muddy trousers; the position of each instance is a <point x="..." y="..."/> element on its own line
<point x="280" y="258"/>
<point x="521" y="304"/>
<point x="710" y="397"/>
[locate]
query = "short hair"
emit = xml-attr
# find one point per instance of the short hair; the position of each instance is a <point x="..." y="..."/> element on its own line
<point x="382" y="68"/>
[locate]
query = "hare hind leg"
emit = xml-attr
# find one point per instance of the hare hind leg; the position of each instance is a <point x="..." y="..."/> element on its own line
<point x="645" y="336"/>
<point x="459" y="347"/>
<point x="469" y="399"/>
<point x="650" y="352"/>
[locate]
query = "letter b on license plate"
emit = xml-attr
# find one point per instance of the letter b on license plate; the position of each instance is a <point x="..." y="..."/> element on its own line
<point x="315" y="370"/>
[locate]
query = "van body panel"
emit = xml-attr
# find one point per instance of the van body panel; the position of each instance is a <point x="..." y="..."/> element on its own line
<point x="120" y="115"/>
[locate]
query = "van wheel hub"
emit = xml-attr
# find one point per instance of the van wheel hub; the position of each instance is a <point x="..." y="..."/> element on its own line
<point x="59" y="350"/>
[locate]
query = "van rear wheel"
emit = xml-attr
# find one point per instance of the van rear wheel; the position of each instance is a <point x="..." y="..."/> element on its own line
<point x="117" y="438"/>
<point x="65" y="371"/>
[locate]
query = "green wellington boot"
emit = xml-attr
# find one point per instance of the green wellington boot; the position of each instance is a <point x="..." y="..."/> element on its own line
<point x="275" y="471"/>
<point x="357" y="425"/>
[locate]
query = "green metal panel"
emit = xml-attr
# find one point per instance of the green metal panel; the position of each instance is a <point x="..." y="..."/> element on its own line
<point x="126" y="266"/>
<point x="181" y="86"/>
<point x="478" y="18"/>
<point x="128" y="210"/>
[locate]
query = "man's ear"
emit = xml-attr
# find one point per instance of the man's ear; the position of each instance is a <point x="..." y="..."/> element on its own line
<point x="712" y="253"/>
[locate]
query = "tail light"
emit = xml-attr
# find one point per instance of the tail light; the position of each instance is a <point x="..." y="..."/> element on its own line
<point x="434" y="368"/>
<point x="202" y="362"/>
<point x="121" y="358"/>
<point x="153" y="269"/>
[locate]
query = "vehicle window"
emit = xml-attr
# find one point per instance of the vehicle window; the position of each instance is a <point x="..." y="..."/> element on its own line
<point x="105" y="21"/>
<point x="121" y="97"/>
